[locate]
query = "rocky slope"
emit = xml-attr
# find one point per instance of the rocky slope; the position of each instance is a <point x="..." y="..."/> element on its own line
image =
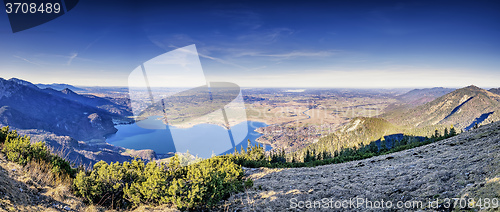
<point x="467" y="165"/>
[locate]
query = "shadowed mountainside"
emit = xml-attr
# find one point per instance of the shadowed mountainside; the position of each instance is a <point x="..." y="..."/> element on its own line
<point x="25" y="106"/>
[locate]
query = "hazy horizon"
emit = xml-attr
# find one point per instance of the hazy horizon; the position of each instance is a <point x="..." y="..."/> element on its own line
<point x="245" y="87"/>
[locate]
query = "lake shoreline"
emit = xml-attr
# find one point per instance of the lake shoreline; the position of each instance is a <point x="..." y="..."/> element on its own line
<point x="131" y="136"/>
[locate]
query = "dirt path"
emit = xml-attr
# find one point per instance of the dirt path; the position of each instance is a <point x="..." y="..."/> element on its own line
<point x="465" y="165"/>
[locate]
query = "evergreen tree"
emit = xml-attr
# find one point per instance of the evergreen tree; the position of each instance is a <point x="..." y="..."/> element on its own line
<point x="249" y="146"/>
<point x="383" y="145"/>
<point x="452" y="131"/>
<point x="372" y="147"/>
<point x="436" y="134"/>
<point x="307" y="158"/>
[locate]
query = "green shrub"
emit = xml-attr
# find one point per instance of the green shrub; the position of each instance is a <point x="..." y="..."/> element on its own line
<point x="103" y="185"/>
<point x="20" y="150"/>
<point x="150" y="183"/>
<point x="248" y="183"/>
<point x="200" y="185"/>
<point x="17" y="149"/>
<point x="206" y="183"/>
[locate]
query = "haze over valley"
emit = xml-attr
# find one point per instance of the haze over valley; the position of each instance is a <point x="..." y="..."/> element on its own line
<point x="295" y="118"/>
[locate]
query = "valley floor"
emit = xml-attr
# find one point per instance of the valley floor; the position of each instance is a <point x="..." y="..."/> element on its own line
<point x="467" y="165"/>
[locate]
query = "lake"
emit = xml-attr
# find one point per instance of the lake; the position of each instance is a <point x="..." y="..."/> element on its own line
<point x="203" y="140"/>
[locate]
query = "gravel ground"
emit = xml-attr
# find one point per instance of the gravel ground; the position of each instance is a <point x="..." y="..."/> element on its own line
<point x="467" y="165"/>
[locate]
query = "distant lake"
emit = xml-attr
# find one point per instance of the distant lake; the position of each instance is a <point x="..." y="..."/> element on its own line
<point x="202" y="139"/>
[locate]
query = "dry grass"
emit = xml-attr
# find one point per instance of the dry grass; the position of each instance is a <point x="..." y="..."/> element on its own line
<point x="34" y="188"/>
<point x="40" y="173"/>
<point x="60" y="193"/>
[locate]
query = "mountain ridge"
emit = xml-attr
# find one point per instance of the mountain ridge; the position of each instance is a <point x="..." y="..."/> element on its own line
<point x="92" y="101"/>
<point x="459" y="108"/>
<point x="495" y="90"/>
<point x="59" y="86"/>
<point x="50" y="112"/>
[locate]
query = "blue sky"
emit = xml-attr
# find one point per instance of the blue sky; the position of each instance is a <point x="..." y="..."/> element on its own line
<point x="365" y="44"/>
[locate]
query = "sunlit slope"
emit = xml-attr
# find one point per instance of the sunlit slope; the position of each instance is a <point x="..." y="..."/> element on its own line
<point x="359" y="131"/>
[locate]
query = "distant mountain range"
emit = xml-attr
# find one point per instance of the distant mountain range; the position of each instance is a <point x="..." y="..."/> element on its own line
<point x="421" y="96"/>
<point x="495" y="90"/>
<point x="25" y="106"/>
<point x="418" y="97"/>
<point x="59" y="87"/>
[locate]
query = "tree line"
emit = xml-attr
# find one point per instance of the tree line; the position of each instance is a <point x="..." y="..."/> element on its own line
<point x="327" y="152"/>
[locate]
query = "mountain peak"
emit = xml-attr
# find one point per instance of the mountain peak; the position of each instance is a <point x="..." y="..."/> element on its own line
<point x="68" y="91"/>
<point x="470" y="90"/>
<point x="473" y="87"/>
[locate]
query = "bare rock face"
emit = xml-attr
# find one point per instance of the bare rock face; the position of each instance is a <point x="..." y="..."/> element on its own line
<point x="102" y="124"/>
<point x="96" y="121"/>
